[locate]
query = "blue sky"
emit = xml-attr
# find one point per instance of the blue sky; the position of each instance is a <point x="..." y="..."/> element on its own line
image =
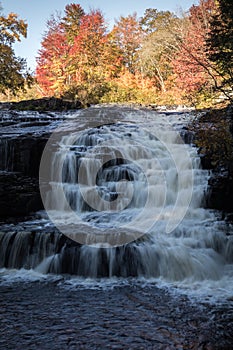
<point x="36" y="13"/>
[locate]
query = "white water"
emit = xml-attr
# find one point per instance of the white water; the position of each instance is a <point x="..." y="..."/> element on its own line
<point x="156" y="187"/>
<point x="144" y="176"/>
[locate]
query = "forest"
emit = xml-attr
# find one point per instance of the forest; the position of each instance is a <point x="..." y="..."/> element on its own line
<point x="160" y="58"/>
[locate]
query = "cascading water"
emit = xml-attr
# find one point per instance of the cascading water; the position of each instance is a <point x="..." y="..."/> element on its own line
<point x="129" y="195"/>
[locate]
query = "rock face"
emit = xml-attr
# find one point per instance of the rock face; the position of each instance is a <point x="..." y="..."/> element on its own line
<point x="45" y="104"/>
<point x="19" y="195"/>
<point x="22" y="153"/>
<point x="22" y="139"/>
<point x="220" y="190"/>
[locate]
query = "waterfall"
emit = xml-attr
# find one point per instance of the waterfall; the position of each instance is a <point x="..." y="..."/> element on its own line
<point x="128" y="195"/>
<point x="6" y="155"/>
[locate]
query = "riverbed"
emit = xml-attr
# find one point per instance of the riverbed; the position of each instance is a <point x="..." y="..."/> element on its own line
<point x="91" y="315"/>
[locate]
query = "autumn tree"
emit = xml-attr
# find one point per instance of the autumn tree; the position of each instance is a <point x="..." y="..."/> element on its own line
<point x="158" y="45"/>
<point x="127" y="35"/>
<point x="77" y="57"/>
<point x="220" y="45"/>
<point x="51" y="62"/>
<point x="89" y="56"/>
<point x="191" y="65"/>
<point x="72" y="20"/>
<point x="13" y="74"/>
<point x="139" y="58"/>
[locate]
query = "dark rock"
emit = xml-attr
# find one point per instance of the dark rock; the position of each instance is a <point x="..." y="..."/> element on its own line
<point x="187" y="135"/>
<point x="220" y="185"/>
<point x="45" y="104"/>
<point x="19" y="195"/>
<point x="23" y="138"/>
<point x="22" y="154"/>
<point x="206" y="162"/>
<point x="220" y="191"/>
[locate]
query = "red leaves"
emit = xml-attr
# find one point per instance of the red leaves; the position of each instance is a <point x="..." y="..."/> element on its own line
<point x="50" y="63"/>
<point x="160" y="52"/>
<point x="127" y="34"/>
<point x="76" y="50"/>
<point x="191" y="63"/>
<point x="92" y="32"/>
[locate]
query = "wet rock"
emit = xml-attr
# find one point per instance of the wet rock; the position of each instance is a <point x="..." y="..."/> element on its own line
<point x="219" y="195"/>
<point x="19" y="170"/>
<point x="22" y="140"/>
<point x="22" y="154"/>
<point x="187" y="135"/>
<point x="45" y="104"/>
<point x="220" y="162"/>
<point x="49" y="315"/>
<point x="19" y="195"/>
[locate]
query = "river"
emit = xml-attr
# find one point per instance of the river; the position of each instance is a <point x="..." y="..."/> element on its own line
<point x="125" y="255"/>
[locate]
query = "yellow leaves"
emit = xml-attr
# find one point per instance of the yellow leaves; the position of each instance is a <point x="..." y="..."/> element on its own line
<point x="13" y="75"/>
<point x="12" y="28"/>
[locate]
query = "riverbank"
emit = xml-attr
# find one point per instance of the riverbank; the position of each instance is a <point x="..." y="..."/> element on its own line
<point x="213" y="131"/>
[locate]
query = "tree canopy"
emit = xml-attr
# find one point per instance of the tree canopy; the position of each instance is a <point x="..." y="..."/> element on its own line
<point x="220" y="44"/>
<point x="140" y="59"/>
<point x="77" y="54"/>
<point x="12" y="69"/>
